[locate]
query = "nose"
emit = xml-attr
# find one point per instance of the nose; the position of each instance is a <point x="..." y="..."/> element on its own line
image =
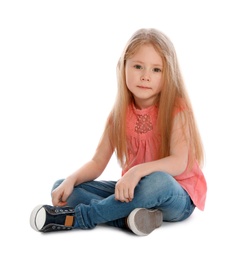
<point x="145" y="76"/>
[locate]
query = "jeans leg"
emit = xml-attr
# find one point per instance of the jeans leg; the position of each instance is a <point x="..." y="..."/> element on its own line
<point x="157" y="190"/>
<point x="85" y="192"/>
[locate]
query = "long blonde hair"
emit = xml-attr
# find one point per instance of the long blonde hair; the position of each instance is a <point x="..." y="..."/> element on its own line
<point x="172" y="91"/>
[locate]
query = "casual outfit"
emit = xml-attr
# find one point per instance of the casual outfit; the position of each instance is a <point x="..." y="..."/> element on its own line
<point x="158" y="197"/>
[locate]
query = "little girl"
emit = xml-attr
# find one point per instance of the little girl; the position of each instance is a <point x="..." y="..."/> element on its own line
<point x="153" y="132"/>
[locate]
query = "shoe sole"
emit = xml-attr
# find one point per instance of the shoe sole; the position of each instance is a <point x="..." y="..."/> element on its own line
<point x="38" y="217"/>
<point x="143" y="221"/>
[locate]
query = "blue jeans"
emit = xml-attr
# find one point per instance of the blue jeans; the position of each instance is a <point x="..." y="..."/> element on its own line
<point x="95" y="203"/>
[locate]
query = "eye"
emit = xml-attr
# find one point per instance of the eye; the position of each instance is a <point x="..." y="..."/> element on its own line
<point x="138" y="67"/>
<point x="157" y="70"/>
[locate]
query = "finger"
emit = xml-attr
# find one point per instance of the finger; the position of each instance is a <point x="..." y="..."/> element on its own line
<point x="57" y="200"/>
<point x="117" y="196"/>
<point x="64" y="197"/>
<point x="131" y="194"/>
<point x="62" y="203"/>
<point x="59" y="203"/>
<point x="54" y="200"/>
<point x="121" y="196"/>
<point x="126" y="193"/>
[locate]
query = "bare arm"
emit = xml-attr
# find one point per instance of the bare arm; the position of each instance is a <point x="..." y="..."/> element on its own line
<point x="94" y="168"/>
<point x="89" y="171"/>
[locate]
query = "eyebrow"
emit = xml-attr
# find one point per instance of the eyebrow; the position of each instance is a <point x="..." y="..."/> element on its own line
<point x="138" y="61"/>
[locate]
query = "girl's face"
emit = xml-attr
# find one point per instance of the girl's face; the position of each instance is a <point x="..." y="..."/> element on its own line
<point x="144" y="76"/>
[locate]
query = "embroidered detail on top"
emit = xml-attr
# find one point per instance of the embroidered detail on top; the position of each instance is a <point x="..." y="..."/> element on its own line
<point x="143" y="124"/>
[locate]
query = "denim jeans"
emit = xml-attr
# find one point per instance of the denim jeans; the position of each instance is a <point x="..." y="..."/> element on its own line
<point x="95" y="203"/>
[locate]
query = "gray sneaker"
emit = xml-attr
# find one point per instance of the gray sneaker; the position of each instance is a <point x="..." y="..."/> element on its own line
<point x="143" y="221"/>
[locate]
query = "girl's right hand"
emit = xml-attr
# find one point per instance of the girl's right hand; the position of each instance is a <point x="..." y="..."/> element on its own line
<point x="62" y="192"/>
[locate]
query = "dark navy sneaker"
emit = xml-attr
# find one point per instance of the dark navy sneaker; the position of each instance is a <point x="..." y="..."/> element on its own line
<point x="143" y="221"/>
<point x="45" y="218"/>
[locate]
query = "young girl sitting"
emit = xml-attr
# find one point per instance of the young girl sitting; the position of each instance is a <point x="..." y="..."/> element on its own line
<point x="153" y="132"/>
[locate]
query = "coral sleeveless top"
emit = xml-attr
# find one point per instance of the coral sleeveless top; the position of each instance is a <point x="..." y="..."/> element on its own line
<point x="143" y="146"/>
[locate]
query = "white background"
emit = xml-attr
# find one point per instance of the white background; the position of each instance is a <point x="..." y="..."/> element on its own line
<point x="57" y="85"/>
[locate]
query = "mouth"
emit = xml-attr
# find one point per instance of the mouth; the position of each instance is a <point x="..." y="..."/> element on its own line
<point x="143" y="87"/>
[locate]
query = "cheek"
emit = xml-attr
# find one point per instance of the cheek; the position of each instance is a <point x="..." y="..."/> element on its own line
<point x="129" y="78"/>
<point x="126" y="75"/>
<point x="129" y="83"/>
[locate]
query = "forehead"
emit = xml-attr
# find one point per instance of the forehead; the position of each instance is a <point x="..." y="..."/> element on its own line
<point x="147" y="53"/>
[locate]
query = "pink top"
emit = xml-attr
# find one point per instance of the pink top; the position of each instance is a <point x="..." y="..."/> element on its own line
<point x="143" y="146"/>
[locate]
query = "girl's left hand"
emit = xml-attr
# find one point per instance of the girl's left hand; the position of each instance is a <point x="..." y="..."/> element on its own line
<point x="124" y="188"/>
